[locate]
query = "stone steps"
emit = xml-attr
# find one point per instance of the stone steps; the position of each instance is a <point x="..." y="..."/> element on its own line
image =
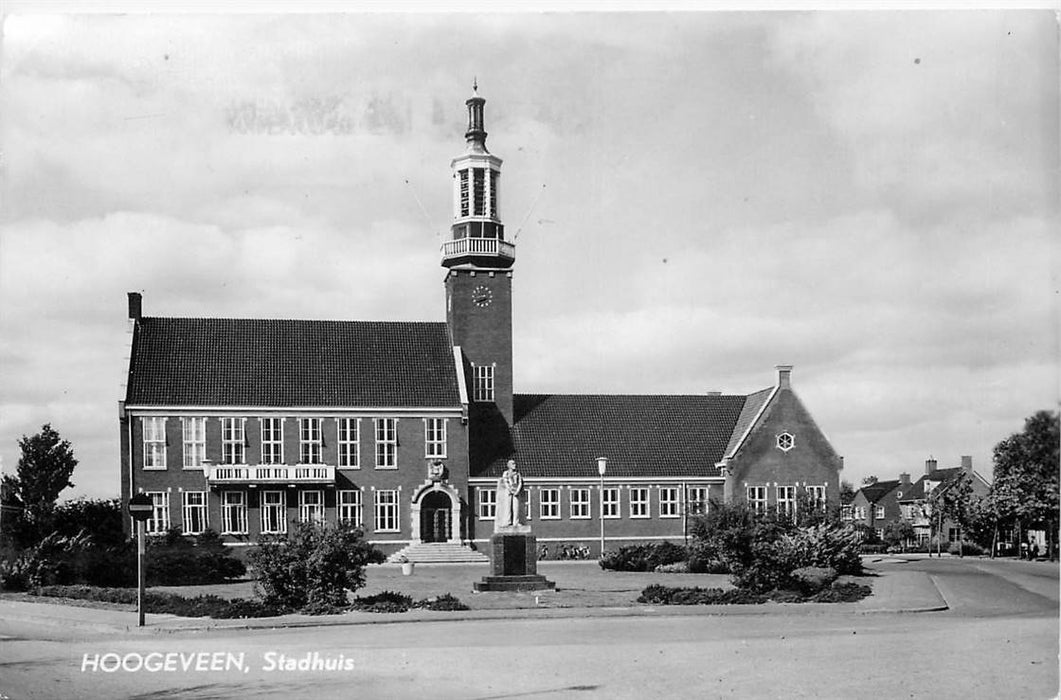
<point x="438" y="553"/>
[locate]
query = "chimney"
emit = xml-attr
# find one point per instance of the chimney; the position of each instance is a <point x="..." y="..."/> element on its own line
<point x="784" y="376"/>
<point x="904" y="479"/>
<point x="967" y="464"/>
<point x="930" y="465"/>
<point x="135" y="305"/>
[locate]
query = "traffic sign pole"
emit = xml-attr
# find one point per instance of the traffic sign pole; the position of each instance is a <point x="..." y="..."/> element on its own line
<point x="140" y="507"/>
<point x="140" y="573"/>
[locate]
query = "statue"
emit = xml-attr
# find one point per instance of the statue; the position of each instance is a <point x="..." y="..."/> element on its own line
<point x="509" y="491"/>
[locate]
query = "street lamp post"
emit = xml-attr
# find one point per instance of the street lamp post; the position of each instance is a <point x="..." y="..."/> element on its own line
<point x="602" y="466"/>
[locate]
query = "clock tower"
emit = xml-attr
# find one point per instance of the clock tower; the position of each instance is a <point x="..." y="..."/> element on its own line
<point x="479" y="283"/>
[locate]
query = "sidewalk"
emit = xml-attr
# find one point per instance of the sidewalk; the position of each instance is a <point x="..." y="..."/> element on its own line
<point x="894" y="591"/>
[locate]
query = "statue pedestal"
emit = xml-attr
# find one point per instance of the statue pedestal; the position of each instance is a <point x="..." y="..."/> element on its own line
<point x="513" y="564"/>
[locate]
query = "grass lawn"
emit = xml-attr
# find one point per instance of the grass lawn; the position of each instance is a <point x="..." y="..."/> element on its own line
<point x="579" y="584"/>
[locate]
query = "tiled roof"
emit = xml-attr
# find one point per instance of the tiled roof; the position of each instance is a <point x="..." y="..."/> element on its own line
<point x="876" y="491"/>
<point x="917" y="491"/>
<point x="558" y="436"/>
<point x="751" y="409"/>
<point x="251" y="362"/>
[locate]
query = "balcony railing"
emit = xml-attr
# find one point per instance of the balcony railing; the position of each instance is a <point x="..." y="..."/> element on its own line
<point x="478" y="246"/>
<point x="270" y="474"/>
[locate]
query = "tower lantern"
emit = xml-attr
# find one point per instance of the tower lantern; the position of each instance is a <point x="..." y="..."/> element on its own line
<point x="477" y="236"/>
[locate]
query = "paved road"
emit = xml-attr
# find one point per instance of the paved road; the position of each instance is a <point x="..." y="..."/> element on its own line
<point x="1000" y="639"/>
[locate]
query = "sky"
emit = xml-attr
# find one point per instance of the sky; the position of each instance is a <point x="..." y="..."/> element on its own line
<point x="696" y="197"/>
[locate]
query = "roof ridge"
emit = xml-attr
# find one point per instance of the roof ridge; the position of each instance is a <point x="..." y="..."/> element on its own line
<point x="287" y="320"/>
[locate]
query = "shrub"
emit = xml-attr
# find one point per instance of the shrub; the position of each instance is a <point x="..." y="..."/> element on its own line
<point x="642" y="557"/>
<point x="669" y="595"/>
<point x="442" y="602"/>
<point x="811" y="579"/>
<point x="168" y="603"/>
<point x="969" y="549"/>
<point x="176" y="560"/>
<point x="708" y="566"/>
<point x="842" y="593"/>
<point x="385" y="602"/>
<point x="312" y="568"/>
<point x="867" y="548"/>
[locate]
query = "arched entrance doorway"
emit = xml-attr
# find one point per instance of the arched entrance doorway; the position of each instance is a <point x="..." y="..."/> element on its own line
<point x="436" y="517"/>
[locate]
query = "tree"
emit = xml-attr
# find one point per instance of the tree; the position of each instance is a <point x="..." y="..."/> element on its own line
<point x="1025" y="492"/>
<point x="869" y="480"/>
<point x="43" y="471"/>
<point x="953" y="501"/>
<point x="898" y="533"/>
<point x="847" y="492"/>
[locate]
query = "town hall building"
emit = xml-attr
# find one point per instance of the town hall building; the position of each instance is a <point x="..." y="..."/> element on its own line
<point x="246" y="426"/>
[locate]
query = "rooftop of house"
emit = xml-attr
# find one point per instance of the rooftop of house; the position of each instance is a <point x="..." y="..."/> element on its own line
<point x="285" y="363"/>
<point x="562" y="435"/>
<point x="874" y="492"/>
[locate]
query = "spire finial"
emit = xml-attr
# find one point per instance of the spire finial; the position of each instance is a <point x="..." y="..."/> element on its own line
<point x="475" y="84"/>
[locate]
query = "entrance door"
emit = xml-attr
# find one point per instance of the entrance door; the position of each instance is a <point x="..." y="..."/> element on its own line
<point x="435" y="513"/>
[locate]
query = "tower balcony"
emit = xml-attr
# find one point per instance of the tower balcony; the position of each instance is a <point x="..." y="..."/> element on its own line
<point x="222" y="474"/>
<point x="488" y="252"/>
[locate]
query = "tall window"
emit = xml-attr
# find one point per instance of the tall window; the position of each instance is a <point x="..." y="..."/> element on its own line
<point x="484" y="383"/>
<point x="757" y="498"/>
<point x="386" y="443"/>
<point x="233" y="513"/>
<point x="816" y="495"/>
<point x="478" y="190"/>
<point x="487" y="500"/>
<point x="194" y="512"/>
<point x="154" y="443"/>
<point x="272" y="440"/>
<point x="434" y="437"/>
<point x="309" y="441"/>
<point x="159" y="521"/>
<point x="786" y="500"/>
<point x="386" y="511"/>
<point x="463" y="175"/>
<point x="549" y="504"/>
<point x="669" y="502"/>
<point x="194" y="432"/>
<point x="493" y="193"/>
<point x="351" y="510"/>
<point x="274" y="512"/>
<point x="311" y="506"/>
<point x="232" y="441"/>
<point x="639" y="502"/>
<point x="860" y="512"/>
<point x="611" y="502"/>
<point x="698" y="500"/>
<point x="349" y="443"/>
<point x="579" y="504"/>
<point x="878" y="513"/>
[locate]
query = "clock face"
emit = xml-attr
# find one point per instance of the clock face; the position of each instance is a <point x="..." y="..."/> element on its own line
<point x="482" y="296"/>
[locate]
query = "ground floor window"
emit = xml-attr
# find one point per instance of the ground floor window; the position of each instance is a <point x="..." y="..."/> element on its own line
<point x="669" y="503"/>
<point x="159" y="520"/>
<point x="579" y="504"/>
<point x="311" y="506"/>
<point x="953" y="534"/>
<point x="233" y="513"/>
<point x="697" y="500"/>
<point x="549" y="504"/>
<point x="639" y="502"/>
<point x="351" y="510"/>
<point x="816" y="495"/>
<point x="487" y="500"/>
<point x="757" y="498"/>
<point x="786" y="500"/>
<point x="610" y="502"/>
<point x="274" y="512"/>
<point x="194" y="512"/>
<point x="386" y="511"/>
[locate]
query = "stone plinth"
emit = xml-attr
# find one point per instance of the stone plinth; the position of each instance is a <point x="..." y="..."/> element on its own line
<point x="513" y="565"/>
